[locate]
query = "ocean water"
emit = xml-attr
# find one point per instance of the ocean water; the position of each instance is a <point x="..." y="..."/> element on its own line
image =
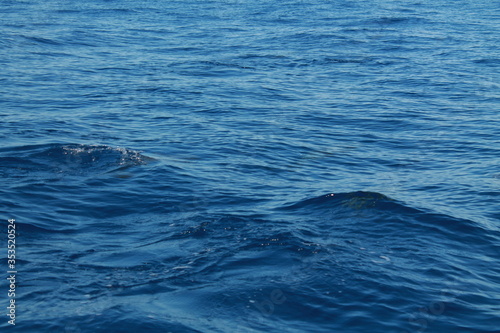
<point x="251" y="166"/>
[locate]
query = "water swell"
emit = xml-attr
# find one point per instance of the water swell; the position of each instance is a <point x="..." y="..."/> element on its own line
<point x="61" y="160"/>
<point x="378" y="215"/>
<point x="320" y="258"/>
<point x="253" y="110"/>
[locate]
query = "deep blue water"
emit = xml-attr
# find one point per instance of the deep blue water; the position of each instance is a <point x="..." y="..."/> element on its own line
<point x="251" y="166"/>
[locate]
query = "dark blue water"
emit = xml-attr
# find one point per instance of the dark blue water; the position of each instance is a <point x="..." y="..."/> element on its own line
<point x="251" y="166"/>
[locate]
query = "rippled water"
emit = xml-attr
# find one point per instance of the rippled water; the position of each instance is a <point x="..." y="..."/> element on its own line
<point x="252" y="166"/>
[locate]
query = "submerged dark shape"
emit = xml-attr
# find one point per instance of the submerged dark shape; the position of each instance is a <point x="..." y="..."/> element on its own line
<point x="357" y="200"/>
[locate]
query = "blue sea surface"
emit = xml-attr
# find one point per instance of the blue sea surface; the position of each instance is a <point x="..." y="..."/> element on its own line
<point x="251" y="166"/>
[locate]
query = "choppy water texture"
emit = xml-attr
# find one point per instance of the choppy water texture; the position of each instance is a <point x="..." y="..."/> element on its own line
<point x="252" y="166"/>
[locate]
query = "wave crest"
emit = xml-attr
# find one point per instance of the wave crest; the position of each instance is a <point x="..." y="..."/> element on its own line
<point x="59" y="160"/>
